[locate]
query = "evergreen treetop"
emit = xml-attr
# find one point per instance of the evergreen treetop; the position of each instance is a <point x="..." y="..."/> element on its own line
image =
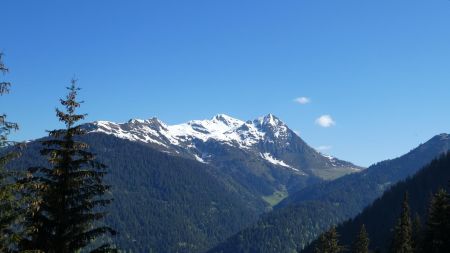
<point x="329" y="242"/>
<point x="361" y="244"/>
<point x="402" y="241"/>
<point x="437" y="234"/>
<point x="10" y="203"/>
<point x="70" y="194"/>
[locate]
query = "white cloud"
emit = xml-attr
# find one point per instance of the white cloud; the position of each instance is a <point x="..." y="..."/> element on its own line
<point x="323" y="148"/>
<point x="302" y="100"/>
<point x="325" y="121"/>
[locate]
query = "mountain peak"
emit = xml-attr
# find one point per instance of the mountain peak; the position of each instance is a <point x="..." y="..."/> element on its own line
<point x="221" y="127"/>
<point x="227" y="120"/>
<point x="270" y="120"/>
<point x="444" y="136"/>
<point x="222" y="116"/>
<point x="135" y="121"/>
<point x="151" y="122"/>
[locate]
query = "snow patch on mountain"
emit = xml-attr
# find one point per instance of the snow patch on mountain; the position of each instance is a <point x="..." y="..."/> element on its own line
<point x="329" y="157"/>
<point x="259" y="138"/>
<point x="268" y="157"/>
<point x="129" y="134"/>
<point x="335" y="163"/>
<point x="199" y="159"/>
<point x="220" y="128"/>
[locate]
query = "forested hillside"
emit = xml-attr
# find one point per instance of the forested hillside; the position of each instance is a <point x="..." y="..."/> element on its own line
<point x="316" y="208"/>
<point x="164" y="203"/>
<point x="381" y="217"/>
<point x="362" y="188"/>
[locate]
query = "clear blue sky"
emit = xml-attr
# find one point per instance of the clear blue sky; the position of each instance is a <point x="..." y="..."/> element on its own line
<point x="379" y="68"/>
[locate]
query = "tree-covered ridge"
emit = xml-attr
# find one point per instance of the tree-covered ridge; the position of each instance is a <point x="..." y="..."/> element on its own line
<point x="170" y="204"/>
<point x="363" y="188"/>
<point x="291" y="227"/>
<point x="393" y="221"/>
<point x="164" y="203"/>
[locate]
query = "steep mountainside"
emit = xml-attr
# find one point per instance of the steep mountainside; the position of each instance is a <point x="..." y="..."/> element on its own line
<point x="380" y="217"/>
<point x="263" y="155"/>
<point x="303" y="216"/>
<point x="165" y="203"/>
<point x="368" y="185"/>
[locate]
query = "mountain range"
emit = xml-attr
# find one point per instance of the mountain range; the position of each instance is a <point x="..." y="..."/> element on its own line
<point x="227" y="185"/>
<point x="264" y="155"/>
<point x="187" y="187"/>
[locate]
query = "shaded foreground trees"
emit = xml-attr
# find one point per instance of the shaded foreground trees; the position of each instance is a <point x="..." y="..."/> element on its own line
<point x="66" y="210"/>
<point x="361" y="244"/>
<point x="329" y="242"/>
<point x="10" y="204"/>
<point x="56" y="209"/>
<point x="437" y="233"/>
<point x="402" y="241"/>
<point x="408" y="236"/>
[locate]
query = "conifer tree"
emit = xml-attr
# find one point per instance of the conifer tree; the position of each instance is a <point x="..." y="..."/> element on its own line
<point x="361" y="244"/>
<point x="329" y="242"/>
<point x="402" y="241"/>
<point x="417" y="233"/>
<point x="67" y="212"/>
<point x="9" y="204"/>
<point x="437" y="235"/>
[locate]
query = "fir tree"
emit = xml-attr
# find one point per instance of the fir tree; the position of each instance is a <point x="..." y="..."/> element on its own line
<point x="361" y="244"/>
<point x="66" y="214"/>
<point x="329" y="242"/>
<point x="437" y="235"/>
<point x="402" y="241"/>
<point x="9" y="204"/>
<point x="4" y="86"/>
<point x="417" y="233"/>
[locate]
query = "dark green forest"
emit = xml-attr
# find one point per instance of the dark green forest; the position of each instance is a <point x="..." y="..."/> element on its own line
<point x="428" y="212"/>
<point x="305" y="215"/>
<point x="164" y="203"/>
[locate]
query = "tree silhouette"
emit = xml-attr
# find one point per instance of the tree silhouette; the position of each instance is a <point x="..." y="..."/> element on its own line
<point x="9" y="202"/>
<point x="361" y="244"/>
<point x="402" y="241"/>
<point x="65" y="216"/>
<point x="329" y="242"/>
<point x="437" y="235"/>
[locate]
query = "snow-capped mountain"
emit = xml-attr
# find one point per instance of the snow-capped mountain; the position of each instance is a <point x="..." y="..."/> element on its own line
<point x="267" y="138"/>
<point x="221" y="128"/>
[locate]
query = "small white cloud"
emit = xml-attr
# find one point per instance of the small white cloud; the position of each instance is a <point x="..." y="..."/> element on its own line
<point x="325" y="121"/>
<point x="323" y="148"/>
<point x="302" y="100"/>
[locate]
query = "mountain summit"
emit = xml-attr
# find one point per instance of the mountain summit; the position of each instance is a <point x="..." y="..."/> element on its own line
<point x="264" y="135"/>
<point x="262" y="154"/>
<point x="221" y="128"/>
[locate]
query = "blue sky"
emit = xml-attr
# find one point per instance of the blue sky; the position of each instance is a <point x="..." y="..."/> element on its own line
<point x="379" y="69"/>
